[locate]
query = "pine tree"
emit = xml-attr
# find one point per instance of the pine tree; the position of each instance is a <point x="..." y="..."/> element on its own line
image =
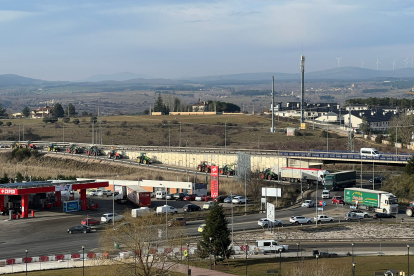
<point x="26" y="112"/>
<point x="159" y="104"/>
<point x="57" y="110"/>
<point x="409" y="168"/>
<point x="217" y="229"/>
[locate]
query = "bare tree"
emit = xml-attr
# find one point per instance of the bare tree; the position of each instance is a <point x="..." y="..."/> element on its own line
<point x="143" y="243"/>
<point x="401" y="128"/>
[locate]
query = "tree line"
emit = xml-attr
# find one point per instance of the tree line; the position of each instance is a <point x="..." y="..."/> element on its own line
<point x="387" y="101"/>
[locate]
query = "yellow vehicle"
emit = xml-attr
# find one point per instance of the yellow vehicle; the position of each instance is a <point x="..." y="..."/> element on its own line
<point x="201" y="228"/>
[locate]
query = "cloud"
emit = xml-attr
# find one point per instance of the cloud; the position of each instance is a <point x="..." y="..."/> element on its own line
<point x="6" y="16"/>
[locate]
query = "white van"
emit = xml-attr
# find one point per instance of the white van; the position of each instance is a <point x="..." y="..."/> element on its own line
<point x="139" y="211"/>
<point x="160" y="194"/>
<point x="270" y="245"/>
<point x="369" y="152"/>
<point x="166" y="208"/>
<point x="325" y="194"/>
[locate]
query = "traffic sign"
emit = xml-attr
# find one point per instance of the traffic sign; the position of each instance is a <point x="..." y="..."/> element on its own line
<point x="324" y="203"/>
<point x="320" y="202"/>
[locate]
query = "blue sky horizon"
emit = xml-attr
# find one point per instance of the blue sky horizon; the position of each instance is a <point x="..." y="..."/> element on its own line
<point x="68" y="40"/>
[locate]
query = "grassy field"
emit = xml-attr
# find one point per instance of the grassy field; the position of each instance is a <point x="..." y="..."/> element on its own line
<point x="365" y="266"/>
<point x="241" y="131"/>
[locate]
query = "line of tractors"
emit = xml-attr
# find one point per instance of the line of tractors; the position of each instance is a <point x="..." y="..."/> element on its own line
<point x="227" y="169"/>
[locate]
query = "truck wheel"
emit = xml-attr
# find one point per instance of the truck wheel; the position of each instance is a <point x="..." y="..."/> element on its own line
<point x="409" y="212"/>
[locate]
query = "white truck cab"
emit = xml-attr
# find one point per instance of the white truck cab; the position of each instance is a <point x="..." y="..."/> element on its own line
<point x="326" y="194"/>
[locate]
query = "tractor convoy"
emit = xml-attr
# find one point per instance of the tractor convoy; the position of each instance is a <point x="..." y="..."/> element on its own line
<point x="113" y="154"/>
<point x="53" y="147"/>
<point x="227" y="169"/>
<point x="204" y="166"/>
<point x="93" y="150"/>
<point x="73" y="148"/>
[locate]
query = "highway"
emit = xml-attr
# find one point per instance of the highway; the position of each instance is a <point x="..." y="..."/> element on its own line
<point x="46" y="234"/>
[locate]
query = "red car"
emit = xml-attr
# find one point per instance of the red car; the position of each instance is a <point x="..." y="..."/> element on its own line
<point x="338" y="200"/>
<point x="90" y="221"/>
<point x="190" y="197"/>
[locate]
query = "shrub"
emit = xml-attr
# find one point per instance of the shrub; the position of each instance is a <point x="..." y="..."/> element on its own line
<point x="8" y="124"/>
<point x="1" y="123"/>
<point x="75" y="121"/>
<point x="66" y="120"/>
<point x="379" y="138"/>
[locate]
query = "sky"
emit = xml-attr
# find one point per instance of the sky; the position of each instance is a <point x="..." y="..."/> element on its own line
<point x="72" y="40"/>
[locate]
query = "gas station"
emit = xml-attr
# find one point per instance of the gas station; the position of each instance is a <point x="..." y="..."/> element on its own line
<point x="45" y="194"/>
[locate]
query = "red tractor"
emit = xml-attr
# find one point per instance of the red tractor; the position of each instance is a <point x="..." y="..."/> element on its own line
<point x="204" y="167"/>
<point x="113" y="154"/>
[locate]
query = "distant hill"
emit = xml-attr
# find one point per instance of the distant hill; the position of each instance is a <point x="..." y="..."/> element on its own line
<point x="16" y="80"/>
<point x="339" y="74"/>
<point x="115" y="77"/>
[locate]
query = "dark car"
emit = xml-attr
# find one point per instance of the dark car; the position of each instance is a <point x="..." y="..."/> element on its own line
<point x="177" y="222"/>
<point x="79" y="228"/>
<point x="377" y="180"/>
<point x="220" y="199"/>
<point x="191" y="208"/>
<point x="382" y="215"/>
<point x="179" y="196"/>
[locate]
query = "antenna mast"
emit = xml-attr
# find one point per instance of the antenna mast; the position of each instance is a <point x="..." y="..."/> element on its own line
<point x="302" y="90"/>
<point x="273" y="105"/>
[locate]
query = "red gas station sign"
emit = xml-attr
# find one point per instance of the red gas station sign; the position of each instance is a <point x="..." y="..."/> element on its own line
<point x="8" y="192"/>
<point x="214" y="181"/>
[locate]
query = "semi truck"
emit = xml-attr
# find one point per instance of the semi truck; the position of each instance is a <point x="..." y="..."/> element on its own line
<point x="297" y="174"/>
<point x="339" y="180"/>
<point x="378" y="201"/>
<point x="133" y="193"/>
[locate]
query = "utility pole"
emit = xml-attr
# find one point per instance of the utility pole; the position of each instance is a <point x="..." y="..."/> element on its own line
<point x="93" y="132"/>
<point x="273" y="104"/>
<point x="302" y="90"/>
<point x="350" y="133"/>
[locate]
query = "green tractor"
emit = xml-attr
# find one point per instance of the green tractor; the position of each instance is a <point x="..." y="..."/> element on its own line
<point x="53" y="147"/>
<point x="15" y="145"/>
<point x="113" y="154"/>
<point x="227" y="170"/>
<point x="73" y="148"/>
<point x="94" y="151"/>
<point x="144" y="159"/>
<point x="268" y="174"/>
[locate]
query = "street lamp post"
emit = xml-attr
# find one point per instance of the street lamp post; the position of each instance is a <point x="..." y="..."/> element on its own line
<point x="408" y="259"/>
<point x="245" y="249"/>
<point x="353" y="269"/>
<point x="327" y="137"/>
<point x="232" y="235"/>
<point x="166" y="213"/>
<point x="26" y="260"/>
<point x="280" y="262"/>
<point x="352" y="252"/>
<point x="188" y="259"/>
<point x="211" y="265"/>
<point x="83" y="260"/>
<point x="113" y="202"/>
<point x="317" y="264"/>
<point x="297" y="255"/>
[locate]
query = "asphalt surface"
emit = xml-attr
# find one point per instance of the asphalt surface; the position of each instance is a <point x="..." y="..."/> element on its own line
<point x="46" y="234"/>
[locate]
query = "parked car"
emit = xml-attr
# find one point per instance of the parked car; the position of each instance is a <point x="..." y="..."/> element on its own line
<point x="164" y="209"/>
<point x="95" y="192"/>
<point x="377" y="180"/>
<point x="323" y="218"/>
<point x="108" y="193"/>
<point x="382" y="215"/>
<point x="219" y="198"/>
<point x="100" y="193"/>
<point x="90" y="221"/>
<point x="338" y="200"/>
<point x="229" y="199"/>
<point x="109" y="217"/>
<point x="190" y="197"/>
<point x="360" y="212"/>
<point x="177" y="222"/>
<point x="201" y="228"/>
<point x="191" y="208"/>
<point x="265" y="222"/>
<point x="240" y="200"/>
<point x="179" y="196"/>
<point x="79" y="228"/>
<point x="169" y="196"/>
<point x="308" y="203"/>
<point x="300" y="220"/>
<point x="353" y="216"/>
<point x="202" y="198"/>
<point x="208" y="205"/>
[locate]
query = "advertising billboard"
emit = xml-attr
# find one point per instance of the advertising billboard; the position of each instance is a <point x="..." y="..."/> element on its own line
<point x="214" y="181"/>
<point x="71" y="206"/>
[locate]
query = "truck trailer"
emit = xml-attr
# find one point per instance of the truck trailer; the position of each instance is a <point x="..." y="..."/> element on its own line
<point x="339" y="180"/>
<point x="378" y="201"/>
<point x="138" y="195"/>
<point x="292" y="174"/>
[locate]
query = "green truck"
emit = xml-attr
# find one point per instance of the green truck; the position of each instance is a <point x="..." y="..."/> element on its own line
<point x="378" y="201"/>
<point x="339" y="180"/>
